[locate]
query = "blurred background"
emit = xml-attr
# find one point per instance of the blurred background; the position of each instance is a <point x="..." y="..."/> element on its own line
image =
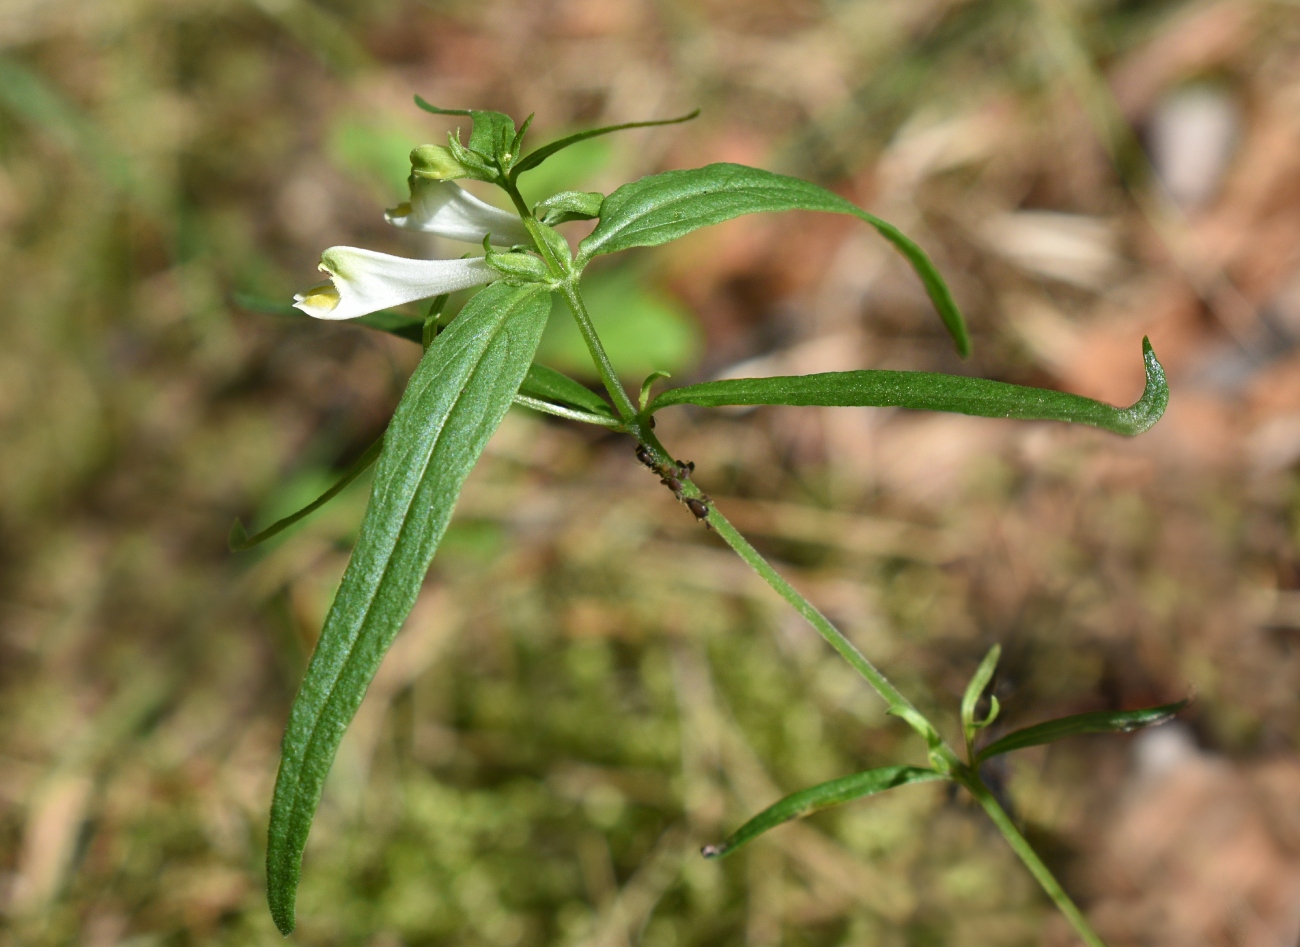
<point x="591" y="686"/>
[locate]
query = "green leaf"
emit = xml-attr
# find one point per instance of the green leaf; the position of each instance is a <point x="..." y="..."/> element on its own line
<point x="550" y="385"/>
<point x="975" y="689"/>
<point x="663" y="207"/>
<point x="807" y="801"/>
<point x="927" y="391"/>
<point x="394" y="323"/>
<point x="970" y="700"/>
<point x="1104" y="721"/>
<point x="419" y="101"/>
<point x="429" y="331"/>
<point x="544" y="152"/>
<point x="569" y="205"/>
<point x="239" y="538"/>
<point x="493" y="133"/>
<point x="454" y="401"/>
<point x="522" y="266"/>
<point x="648" y="384"/>
<point x="386" y="320"/>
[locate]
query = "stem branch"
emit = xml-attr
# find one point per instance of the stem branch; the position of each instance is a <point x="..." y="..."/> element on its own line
<point x="847" y="650"/>
<point x="1020" y="845"/>
<point x="639" y="425"/>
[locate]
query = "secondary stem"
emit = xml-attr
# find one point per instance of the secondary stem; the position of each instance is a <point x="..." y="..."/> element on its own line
<point x="639" y="425"/>
<point x="1041" y="872"/>
<point x="847" y="650"/>
<point x="626" y="410"/>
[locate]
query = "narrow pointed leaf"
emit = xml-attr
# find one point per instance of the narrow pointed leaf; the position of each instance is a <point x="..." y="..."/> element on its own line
<point x="541" y="154"/>
<point x="975" y="689"/>
<point x="1104" y="721"/>
<point x="429" y="107"/>
<point x="385" y="320"/>
<point x="928" y="391"/>
<point x="663" y="207"/>
<point x="239" y="538"/>
<point x="550" y="385"/>
<point x="457" y="396"/>
<point x="807" y="801"/>
<point x="394" y="323"/>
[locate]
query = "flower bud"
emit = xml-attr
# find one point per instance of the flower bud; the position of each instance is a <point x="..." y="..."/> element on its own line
<point x="437" y="163"/>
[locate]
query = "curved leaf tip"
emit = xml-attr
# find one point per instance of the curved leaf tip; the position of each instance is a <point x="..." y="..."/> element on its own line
<point x="1148" y="409"/>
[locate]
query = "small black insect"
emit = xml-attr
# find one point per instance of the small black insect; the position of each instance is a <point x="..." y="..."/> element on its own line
<point x="643" y="455"/>
<point x="700" y="508"/>
<point x="673" y="484"/>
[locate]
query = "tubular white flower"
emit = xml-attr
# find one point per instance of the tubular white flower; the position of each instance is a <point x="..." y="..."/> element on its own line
<point x="448" y="210"/>
<point x="363" y="281"/>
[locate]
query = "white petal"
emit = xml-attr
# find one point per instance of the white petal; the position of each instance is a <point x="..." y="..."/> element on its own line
<point x="363" y="281"/>
<point x="447" y="209"/>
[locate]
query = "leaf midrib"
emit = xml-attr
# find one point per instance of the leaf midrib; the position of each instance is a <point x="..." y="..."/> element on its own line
<point x="295" y="805"/>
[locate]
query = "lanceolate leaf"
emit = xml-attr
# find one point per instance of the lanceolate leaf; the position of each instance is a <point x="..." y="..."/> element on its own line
<point x="663" y="207"/>
<point x="453" y="402"/>
<point x="385" y="320"/>
<point x="239" y="538"/>
<point x="807" y="801"/>
<point x="975" y="690"/>
<point x="550" y="385"/>
<point x="544" y="152"/>
<point x="932" y="392"/>
<point x="1105" y="721"/>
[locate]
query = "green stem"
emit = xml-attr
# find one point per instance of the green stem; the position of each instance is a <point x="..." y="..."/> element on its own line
<point x="525" y="212"/>
<point x="1020" y="845"/>
<point x="639" y="425"/>
<point x="847" y="650"/>
<point x="626" y="410"/>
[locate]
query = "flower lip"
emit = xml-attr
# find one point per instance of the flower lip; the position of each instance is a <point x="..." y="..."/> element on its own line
<point x="319" y="301"/>
<point x="448" y="210"/>
<point x="365" y="281"/>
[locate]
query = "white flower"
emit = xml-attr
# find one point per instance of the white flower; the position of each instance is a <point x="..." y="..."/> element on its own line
<point x="448" y="210"/>
<point x="363" y="281"/>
